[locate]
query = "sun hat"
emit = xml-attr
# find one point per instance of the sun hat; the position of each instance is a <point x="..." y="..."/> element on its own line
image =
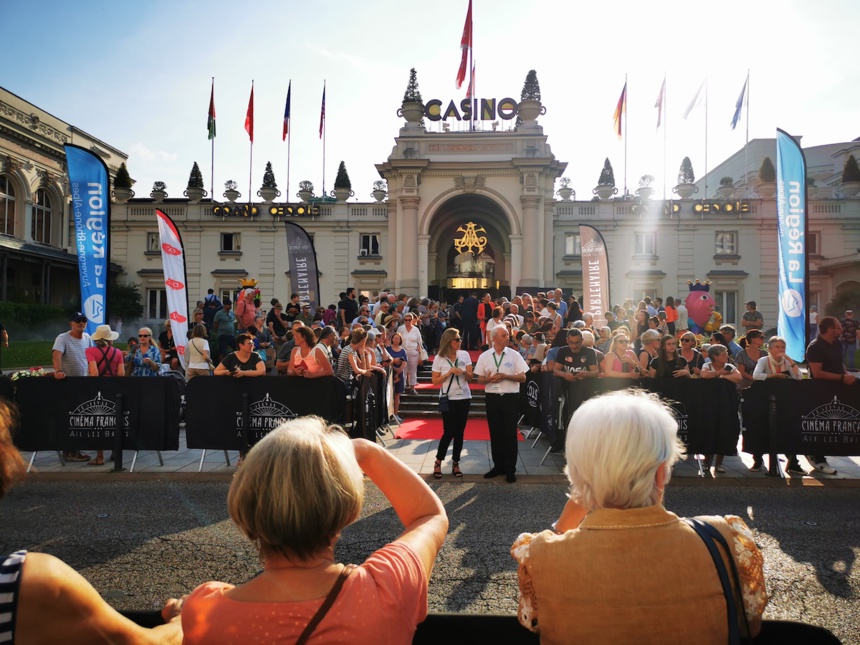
<point x="104" y="332"/>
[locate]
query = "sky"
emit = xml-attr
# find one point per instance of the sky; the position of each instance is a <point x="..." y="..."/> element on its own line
<point x="137" y="75"/>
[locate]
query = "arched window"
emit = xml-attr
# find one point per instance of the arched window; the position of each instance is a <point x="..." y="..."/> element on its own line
<point x="42" y="211"/>
<point x="7" y="206"/>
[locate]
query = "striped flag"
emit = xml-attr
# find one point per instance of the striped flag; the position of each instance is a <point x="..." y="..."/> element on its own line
<point x="620" y="109"/>
<point x="210" y="122"/>
<point x="661" y="102"/>
<point x="465" y="46"/>
<point x="697" y="99"/>
<point x="249" y="116"/>
<point x="287" y="113"/>
<point x="322" y="113"/>
<point x="739" y="105"/>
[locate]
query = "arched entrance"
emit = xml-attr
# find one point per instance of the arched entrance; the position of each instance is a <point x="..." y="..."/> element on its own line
<point x="469" y="249"/>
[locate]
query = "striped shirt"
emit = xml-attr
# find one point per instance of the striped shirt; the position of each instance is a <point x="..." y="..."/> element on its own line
<point x="74" y="359"/>
<point x="10" y="581"/>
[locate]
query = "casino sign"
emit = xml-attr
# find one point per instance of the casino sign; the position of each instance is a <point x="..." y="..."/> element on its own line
<point x="484" y="109"/>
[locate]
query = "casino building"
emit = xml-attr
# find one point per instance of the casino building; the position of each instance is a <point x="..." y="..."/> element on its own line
<point x="464" y="210"/>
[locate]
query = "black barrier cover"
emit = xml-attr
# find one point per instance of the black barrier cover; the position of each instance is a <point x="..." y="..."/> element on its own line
<point x="706" y="409"/>
<point x="812" y="417"/>
<point x="530" y="399"/>
<point x="7" y="388"/>
<point x="80" y="413"/>
<point x="550" y="388"/>
<point x="366" y="408"/>
<point x="213" y="415"/>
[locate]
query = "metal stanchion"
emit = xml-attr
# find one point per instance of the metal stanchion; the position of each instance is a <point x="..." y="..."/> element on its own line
<point x="773" y="468"/>
<point x="118" y="435"/>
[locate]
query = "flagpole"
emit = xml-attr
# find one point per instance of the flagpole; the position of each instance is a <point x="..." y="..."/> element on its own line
<point x="289" y="135"/>
<point x="212" y="175"/>
<point x="251" y="161"/>
<point x="747" y="141"/>
<point x="706" y="137"/>
<point x="665" y="127"/>
<point x="472" y="70"/>
<point x="323" y="138"/>
<point x="624" y="110"/>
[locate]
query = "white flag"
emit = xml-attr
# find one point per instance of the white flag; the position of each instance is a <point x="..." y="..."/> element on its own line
<point x="697" y="100"/>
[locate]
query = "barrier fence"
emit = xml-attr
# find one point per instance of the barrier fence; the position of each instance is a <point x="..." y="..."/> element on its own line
<point x="795" y="417"/>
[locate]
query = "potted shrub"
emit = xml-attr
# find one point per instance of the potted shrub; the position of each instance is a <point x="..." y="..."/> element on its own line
<point x="342" y="185"/>
<point x="645" y="191"/>
<point x="766" y="188"/>
<point x="380" y="190"/>
<point x="606" y="184"/>
<point x="565" y="191"/>
<point x="726" y="187"/>
<point x="122" y="191"/>
<point x="230" y="191"/>
<point x="159" y="192"/>
<point x="269" y="190"/>
<point x="850" y="177"/>
<point x="306" y="191"/>
<point x="412" y="108"/>
<point x="686" y="186"/>
<point x="529" y="107"/>
<point x="195" y="191"/>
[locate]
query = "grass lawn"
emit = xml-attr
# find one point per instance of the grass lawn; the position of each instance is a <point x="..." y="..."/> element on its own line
<point x="33" y="353"/>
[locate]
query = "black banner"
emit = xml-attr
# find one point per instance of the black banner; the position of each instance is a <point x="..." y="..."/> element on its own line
<point x="812" y="418"/>
<point x="80" y="413"/>
<point x="217" y="407"/>
<point x="530" y="399"/>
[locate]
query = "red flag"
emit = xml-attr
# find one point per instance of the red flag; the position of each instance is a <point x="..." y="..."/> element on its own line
<point x="249" y="117"/>
<point x="210" y="122"/>
<point x="322" y="113"/>
<point x="465" y="45"/>
<point x="471" y="87"/>
<point x="620" y="109"/>
<point x="661" y="102"/>
<point x="287" y="113"/>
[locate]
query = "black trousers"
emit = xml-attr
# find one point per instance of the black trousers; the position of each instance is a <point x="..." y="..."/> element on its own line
<point x="503" y="412"/>
<point x="471" y="333"/>
<point x="454" y="426"/>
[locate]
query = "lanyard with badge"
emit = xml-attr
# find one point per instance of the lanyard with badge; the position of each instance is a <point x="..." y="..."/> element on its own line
<point x="498" y="386"/>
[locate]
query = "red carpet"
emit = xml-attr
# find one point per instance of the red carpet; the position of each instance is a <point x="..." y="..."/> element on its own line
<point x="429" y="386"/>
<point x="417" y="428"/>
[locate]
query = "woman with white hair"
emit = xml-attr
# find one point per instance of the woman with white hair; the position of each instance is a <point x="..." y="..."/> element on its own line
<point x="617" y="566"/>
<point x="298" y="489"/>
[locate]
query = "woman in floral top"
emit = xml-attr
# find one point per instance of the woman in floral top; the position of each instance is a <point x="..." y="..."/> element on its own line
<point x="145" y="359"/>
<point x="617" y="566"/>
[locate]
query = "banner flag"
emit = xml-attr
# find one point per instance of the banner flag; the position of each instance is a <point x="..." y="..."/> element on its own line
<point x="287" y="113"/>
<point x="322" y="114"/>
<point x="465" y="46"/>
<point x="173" y="261"/>
<point x="90" y="188"/>
<point x="249" y="116"/>
<point x="791" y="239"/>
<point x="471" y="87"/>
<point x="740" y="103"/>
<point x="595" y="274"/>
<point x="304" y="276"/>
<point x="620" y="109"/>
<point x="697" y="99"/>
<point x="210" y="122"/>
<point x="661" y="102"/>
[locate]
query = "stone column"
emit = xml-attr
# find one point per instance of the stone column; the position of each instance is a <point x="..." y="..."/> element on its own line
<point x="532" y="241"/>
<point x="28" y="220"/>
<point x="407" y="280"/>
<point x="423" y="278"/>
<point x="515" y="264"/>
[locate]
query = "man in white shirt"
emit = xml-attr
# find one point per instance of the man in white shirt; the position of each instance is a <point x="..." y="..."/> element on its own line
<point x="683" y="322"/>
<point x="502" y="369"/>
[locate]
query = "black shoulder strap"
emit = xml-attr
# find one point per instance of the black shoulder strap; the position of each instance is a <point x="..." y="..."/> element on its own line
<point x="327" y="603"/>
<point x="710" y="536"/>
<point x="104" y="359"/>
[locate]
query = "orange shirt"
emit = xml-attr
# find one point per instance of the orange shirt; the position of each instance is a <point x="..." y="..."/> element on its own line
<point x="671" y="314"/>
<point x="381" y="602"/>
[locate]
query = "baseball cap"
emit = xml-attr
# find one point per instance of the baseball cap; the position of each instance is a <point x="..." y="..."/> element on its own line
<point x="78" y="316"/>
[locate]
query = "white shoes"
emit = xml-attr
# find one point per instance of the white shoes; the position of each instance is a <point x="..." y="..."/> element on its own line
<point x="822" y="466"/>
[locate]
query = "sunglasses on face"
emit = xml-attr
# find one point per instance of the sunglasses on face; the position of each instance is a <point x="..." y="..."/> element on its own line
<point x="686" y="340"/>
<point x="144" y="335"/>
<point x="80" y="320"/>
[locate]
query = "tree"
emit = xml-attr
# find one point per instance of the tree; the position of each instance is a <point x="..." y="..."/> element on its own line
<point x="845" y="298"/>
<point x="685" y="173"/>
<point x="531" y="87"/>
<point x="269" y="177"/>
<point x="342" y="179"/>
<point x="851" y="172"/>
<point x="607" y="176"/>
<point x="767" y="173"/>
<point x="125" y="300"/>
<point x="195" y="179"/>
<point x="412" y="93"/>
<point x="122" y="179"/>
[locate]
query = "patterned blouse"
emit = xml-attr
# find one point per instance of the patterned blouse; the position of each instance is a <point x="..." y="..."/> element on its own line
<point x="138" y="368"/>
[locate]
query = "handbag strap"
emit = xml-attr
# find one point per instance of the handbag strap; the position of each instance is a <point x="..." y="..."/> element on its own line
<point x="710" y="536"/>
<point x="327" y="603"/>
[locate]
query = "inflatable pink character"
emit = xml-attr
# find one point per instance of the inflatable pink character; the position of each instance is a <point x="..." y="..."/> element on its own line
<point x="701" y="309"/>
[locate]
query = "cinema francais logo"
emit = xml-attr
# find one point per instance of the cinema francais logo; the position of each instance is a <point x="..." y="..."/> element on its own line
<point x="533" y="394"/>
<point x="681" y="418"/>
<point x="833" y="422"/>
<point x="95" y="419"/>
<point x="264" y="416"/>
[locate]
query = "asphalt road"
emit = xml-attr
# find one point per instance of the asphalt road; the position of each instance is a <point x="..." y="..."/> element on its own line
<point x="143" y="541"/>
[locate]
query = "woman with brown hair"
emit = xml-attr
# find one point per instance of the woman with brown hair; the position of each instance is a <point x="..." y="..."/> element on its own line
<point x="452" y="372"/>
<point x="668" y="364"/>
<point x="350" y="363"/>
<point x="306" y="360"/>
<point x="197" y="353"/>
